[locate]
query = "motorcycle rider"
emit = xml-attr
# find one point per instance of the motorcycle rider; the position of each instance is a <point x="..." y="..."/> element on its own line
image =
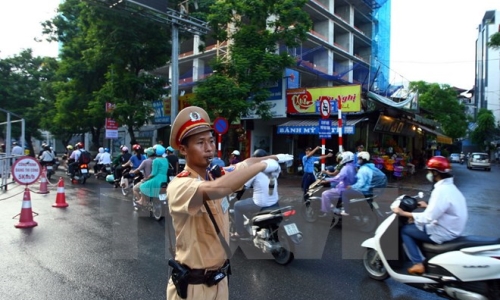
<point x="462" y="157"/>
<point x="146" y="167"/>
<point x="133" y="163"/>
<point x="444" y="217"/>
<point x="98" y="166"/>
<point x="346" y="177"/>
<point x="75" y="155"/>
<point x="338" y="167"/>
<point x="367" y="178"/>
<point x="265" y="194"/>
<point x="66" y="155"/>
<point x="104" y="159"/>
<point x="118" y="162"/>
<point x="47" y="156"/>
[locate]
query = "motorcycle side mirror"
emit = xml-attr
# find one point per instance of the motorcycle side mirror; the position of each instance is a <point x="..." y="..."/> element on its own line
<point x="420" y="195"/>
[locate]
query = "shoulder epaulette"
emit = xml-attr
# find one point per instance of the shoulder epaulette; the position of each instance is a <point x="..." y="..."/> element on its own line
<point x="184" y="173"/>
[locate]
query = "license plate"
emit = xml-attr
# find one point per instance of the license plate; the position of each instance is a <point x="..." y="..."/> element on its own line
<point x="108" y="169"/>
<point x="375" y="205"/>
<point x="49" y="167"/>
<point x="291" y="229"/>
<point x="84" y="171"/>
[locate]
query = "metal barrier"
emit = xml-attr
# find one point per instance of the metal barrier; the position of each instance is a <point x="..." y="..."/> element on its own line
<point x="5" y="167"/>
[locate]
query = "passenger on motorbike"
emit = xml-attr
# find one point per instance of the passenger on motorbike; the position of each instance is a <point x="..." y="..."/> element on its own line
<point x="133" y="163"/>
<point x="346" y="177"/>
<point x="367" y="178"/>
<point x="65" y="157"/>
<point x="444" y="217"/>
<point x="265" y="194"/>
<point x="47" y="156"/>
<point x="146" y="167"/>
<point x="151" y="186"/>
<point x="98" y="166"/>
<point x="337" y="167"/>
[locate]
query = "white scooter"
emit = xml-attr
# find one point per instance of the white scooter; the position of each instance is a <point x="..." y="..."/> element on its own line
<point x="465" y="268"/>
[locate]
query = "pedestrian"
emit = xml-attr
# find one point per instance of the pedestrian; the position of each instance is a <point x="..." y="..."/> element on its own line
<point x="443" y="219"/>
<point x="308" y="166"/>
<point x="200" y="210"/>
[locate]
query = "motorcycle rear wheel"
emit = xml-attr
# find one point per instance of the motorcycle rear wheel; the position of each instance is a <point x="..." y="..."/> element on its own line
<point x="374" y="266"/>
<point x="284" y="255"/>
<point x="156" y="209"/>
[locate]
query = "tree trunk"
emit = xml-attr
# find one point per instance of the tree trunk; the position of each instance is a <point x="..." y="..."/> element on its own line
<point x="131" y="133"/>
<point x="96" y="133"/>
<point x="29" y="145"/>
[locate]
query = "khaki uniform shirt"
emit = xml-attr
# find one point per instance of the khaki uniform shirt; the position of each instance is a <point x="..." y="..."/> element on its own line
<point x="197" y="243"/>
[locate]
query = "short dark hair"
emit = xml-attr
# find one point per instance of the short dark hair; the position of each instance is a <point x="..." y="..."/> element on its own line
<point x="309" y="149"/>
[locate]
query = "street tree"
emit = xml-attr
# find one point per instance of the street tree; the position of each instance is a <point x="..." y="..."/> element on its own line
<point x="494" y="41"/>
<point x="25" y="90"/>
<point x="106" y="57"/>
<point x="442" y="101"/>
<point x="486" y="130"/>
<point x="257" y="34"/>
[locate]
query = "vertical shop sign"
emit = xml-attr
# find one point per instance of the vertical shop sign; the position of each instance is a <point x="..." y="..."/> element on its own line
<point x="111" y="125"/>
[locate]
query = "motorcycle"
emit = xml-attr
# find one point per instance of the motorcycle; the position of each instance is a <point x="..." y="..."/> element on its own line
<point x="266" y="231"/>
<point x="364" y="218"/>
<point x="156" y="204"/>
<point x="464" y="268"/>
<point x="104" y="172"/>
<point x="81" y="174"/>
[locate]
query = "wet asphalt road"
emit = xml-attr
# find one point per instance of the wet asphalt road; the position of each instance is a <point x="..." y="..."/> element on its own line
<point x="100" y="248"/>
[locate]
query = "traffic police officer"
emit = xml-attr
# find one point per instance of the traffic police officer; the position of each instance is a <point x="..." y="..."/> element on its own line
<point x="200" y="257"/>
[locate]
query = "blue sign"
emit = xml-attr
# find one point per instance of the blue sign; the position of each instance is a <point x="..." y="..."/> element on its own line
<point x="333" y="103"/>
<point x="221" y="125"/>
<point x="312" y="130"/>
<point x="160" y="117"/>
<point x="325" y="128"/>
<point x="292" y="79"/>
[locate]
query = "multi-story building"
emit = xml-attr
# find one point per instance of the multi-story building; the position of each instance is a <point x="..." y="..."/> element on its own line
<point x="348" y="42"/>
<point x="487" y="77"/>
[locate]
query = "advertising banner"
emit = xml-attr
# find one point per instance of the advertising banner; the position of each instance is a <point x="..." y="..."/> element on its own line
<point x="306" y="100"/>
<point x="111" y="125"/>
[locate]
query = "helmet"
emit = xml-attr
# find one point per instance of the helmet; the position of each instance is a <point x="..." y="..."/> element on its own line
<point x="348" y="156"/>
<point x="79" y="145"/>
<point x="170" y="149"/>
<point x="236" y="152"/>
<point x="257" y="153"/>
<point x="69" y="147"/>
<point x="136" y="147"/>
<point x="149" y="151"/>
<point x="124" y="149"/>
<point x="159" y="149"/>
<point x="364" y="155"/>
<point x="110" y="178"/>
<point x="101" y="150"/>
<point x="106" y="150"/>
<point x="439" y="163"/>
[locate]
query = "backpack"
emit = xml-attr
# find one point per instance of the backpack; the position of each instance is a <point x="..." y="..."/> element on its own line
<point x="85" y="157"/>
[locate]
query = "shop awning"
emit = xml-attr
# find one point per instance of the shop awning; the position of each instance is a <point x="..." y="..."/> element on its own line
<point x="311" y="126"/>
<point x="440" y="137"/>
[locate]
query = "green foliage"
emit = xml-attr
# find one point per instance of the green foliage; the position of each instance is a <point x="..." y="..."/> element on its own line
<point x="494" y="41"/>
<point x="106" y="55"/>
<point x="256" y="28"/>
<point x="25" y="90"/>
<point x="485" y="129"/>
<point x="442" y="101"/>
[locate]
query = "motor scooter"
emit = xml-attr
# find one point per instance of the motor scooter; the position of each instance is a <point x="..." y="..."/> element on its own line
<point x="465" y="268"/>
<point x="364" y="213"/>
<point x="81" y="174"/>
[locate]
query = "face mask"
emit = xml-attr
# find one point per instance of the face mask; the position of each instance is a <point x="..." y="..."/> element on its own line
<point x="430" y="177"/>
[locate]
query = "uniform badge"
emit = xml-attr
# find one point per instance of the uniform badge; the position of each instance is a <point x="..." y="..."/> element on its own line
<point x="194" y="116"/>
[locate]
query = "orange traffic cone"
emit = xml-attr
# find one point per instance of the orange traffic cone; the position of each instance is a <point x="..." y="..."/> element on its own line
<point x="43" y="182"/>
<point x="61" y="197"/>
<point x="26" y="219"/>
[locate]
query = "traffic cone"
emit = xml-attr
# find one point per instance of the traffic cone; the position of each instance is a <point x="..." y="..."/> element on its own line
<point x="61" y="197"/>
<point x="26" y="219"/>
<point x="43" y="182"/>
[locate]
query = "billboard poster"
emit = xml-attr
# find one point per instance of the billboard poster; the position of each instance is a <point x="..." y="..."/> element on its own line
<point x="111" y="126"/>
<point x="304" y="100"/>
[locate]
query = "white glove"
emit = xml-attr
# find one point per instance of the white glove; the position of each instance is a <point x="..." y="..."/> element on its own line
<point x="272" y="165"/>
<point x="282" y="158"/>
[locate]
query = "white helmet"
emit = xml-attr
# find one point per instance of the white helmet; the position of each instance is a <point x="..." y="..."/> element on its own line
<point x="364" y="155"/>
<point x="101" y="150"/>
<point x="347" y="156"/>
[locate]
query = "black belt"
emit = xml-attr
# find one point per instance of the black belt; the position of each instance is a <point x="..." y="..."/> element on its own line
<point x="200" y="276"/>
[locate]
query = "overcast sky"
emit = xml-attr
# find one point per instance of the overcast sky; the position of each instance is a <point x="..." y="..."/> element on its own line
<point x="431" y="40"/>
